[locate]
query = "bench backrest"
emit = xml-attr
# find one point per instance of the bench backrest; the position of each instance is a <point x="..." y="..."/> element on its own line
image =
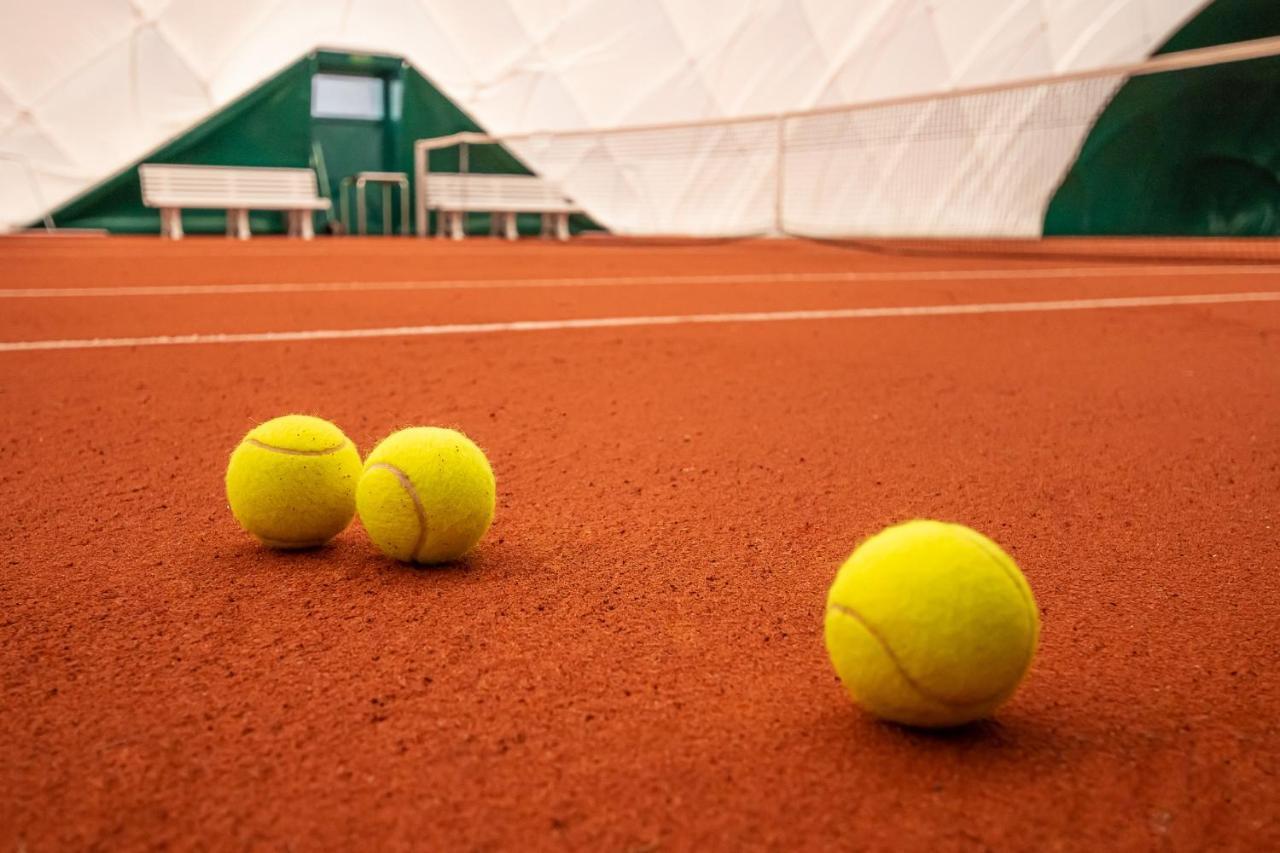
<point x="481" y="192"/>
<point x="258" y="188"/>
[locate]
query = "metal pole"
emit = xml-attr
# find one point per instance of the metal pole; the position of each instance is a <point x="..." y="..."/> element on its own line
<point x="404" y="205"/>
<point x="420" y="166"/>
<point x="779" y="187"/>
<point x="464" y="167"/>
<point x="386" y="208"/>
<point x="344" y="205"/>
<point x="361" y="213"/>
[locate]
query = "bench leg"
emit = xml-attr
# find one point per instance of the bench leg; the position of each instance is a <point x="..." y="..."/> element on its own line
<point x="301" y="224"/>
<point x="545" y="231"/>
<point x="238" y="223"/>
<point x="562" y="226"/>
<point x="456" y="229"/>
<point x="171" y="223"/>
<point x="509" y="229"/>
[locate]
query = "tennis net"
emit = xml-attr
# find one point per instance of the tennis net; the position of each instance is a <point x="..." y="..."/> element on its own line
<point x="1065" y="164"/>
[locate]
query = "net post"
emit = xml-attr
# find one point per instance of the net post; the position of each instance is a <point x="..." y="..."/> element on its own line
<point x="464" y="167"/>
<point x="779" y="166"/>
<point x="420" y="188"/>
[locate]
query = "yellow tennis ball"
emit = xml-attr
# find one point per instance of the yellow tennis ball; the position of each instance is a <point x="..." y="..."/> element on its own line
<point x="930" y="624"/>
<point x="292" y="481"/>
<point x="426" y="495"/>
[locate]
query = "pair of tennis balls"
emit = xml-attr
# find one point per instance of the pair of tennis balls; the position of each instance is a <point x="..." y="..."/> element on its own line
<point x="424" y="494"/>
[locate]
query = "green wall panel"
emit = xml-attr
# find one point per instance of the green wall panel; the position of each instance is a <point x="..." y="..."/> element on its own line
<point x="1186" y="153"/>
<point x="268" y="126"/>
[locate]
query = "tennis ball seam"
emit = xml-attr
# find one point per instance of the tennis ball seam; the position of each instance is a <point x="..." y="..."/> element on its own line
<point x="845" y="610"/>
<point x="405" y="483"/>
<point x="1028" y="603"/>
<point x="324" y="451"/>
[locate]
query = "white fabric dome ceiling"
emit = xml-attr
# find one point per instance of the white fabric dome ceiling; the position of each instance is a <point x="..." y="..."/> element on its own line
<point x="88" y="87"/>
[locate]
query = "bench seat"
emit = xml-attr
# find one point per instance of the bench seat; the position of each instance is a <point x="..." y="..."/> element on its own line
<point x="502" y="196"/>
<point x="235" y="189"/>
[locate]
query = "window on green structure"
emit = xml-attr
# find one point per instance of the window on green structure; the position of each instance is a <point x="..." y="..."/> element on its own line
<point x="397" y="100"/>
<point x="347" y="96"/>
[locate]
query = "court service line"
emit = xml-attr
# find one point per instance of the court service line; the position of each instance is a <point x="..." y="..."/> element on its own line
<point x="1124" y="271"/>
<point x="660" y="320"/>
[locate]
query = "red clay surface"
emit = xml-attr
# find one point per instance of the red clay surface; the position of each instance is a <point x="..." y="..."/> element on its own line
<point x="632" y="660"/>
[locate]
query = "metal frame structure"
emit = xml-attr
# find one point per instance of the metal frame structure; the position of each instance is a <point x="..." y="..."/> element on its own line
<point x="360" y="182"/>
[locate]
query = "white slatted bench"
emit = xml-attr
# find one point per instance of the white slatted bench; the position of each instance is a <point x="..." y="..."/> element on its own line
<point x="454" y="195"/>
<point x="235" y="189"/>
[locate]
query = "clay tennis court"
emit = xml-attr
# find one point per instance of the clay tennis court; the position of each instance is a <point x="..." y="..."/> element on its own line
<point x="688" y="439"/>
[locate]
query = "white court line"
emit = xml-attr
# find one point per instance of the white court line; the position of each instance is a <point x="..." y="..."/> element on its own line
<point x="1147" y="271"/>
<point x="661" y="320"/>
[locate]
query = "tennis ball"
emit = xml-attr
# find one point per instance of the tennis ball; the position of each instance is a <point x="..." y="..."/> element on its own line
<point x="292" y="481"/>
<point x="930" y="624"/>
<point x="426" y="495"/>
